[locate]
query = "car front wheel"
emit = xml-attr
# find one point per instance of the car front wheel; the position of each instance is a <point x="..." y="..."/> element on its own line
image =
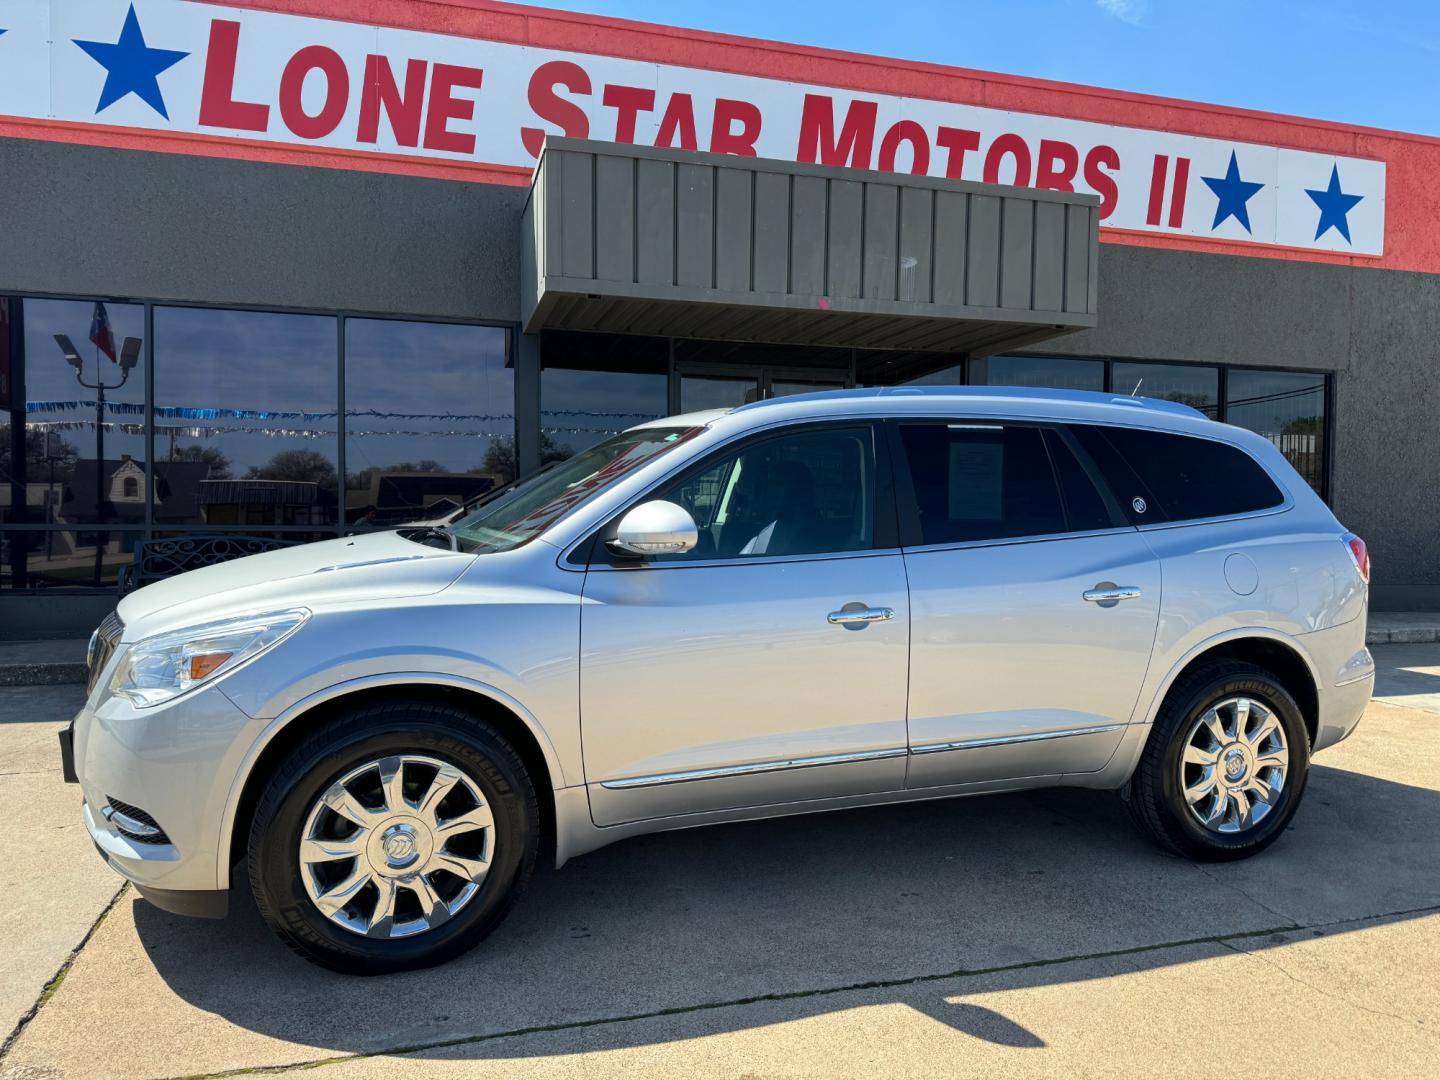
<point x="1225" y="766"/>
<point x="396" y="836"/>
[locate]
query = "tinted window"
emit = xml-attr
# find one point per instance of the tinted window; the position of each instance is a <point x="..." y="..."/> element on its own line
<point x="1198" y="387"/>
<point x="981" y="482"/>
<point x="1085" y="509"/>
<point x="1182" y="476"/>
<point x="806" y="493"/>
<point x="1286" y="407"/>
<point x="595" y="385"/>
<point x="1053" y="372"/>
<point x="429" y="419"/>
<point x="82" y="446"/>
<point x="245" y="429"/>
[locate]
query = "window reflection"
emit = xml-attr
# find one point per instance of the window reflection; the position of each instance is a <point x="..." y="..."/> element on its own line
<point x="72" y="437"/>
<point x="429" y="418"/>
<point x="1286" y="407"/>
<point x="1198" y="387"/>
<point x="245" y="418"/>
<point x="946" y="376"/>
<point x="1055" y="372"/>
<point x="593" y="386"/>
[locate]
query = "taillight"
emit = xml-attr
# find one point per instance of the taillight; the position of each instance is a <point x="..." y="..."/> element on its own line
<point x="1360" y="554"/>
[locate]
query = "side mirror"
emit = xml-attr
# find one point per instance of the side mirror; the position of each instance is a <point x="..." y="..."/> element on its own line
<point x="655" y="528"/>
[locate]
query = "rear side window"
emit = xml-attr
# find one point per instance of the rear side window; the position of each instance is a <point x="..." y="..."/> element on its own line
<point x="977" y="481"/>
<point x="1085" y="508"/>
<point x="1177" y="477"/>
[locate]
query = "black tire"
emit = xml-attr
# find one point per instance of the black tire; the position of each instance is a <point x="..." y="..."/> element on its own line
<point x="1155" y="795"/>
<point x="351" y="739"/>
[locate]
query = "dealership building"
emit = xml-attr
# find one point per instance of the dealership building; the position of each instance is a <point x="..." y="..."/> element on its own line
<point x="268" y="271"/>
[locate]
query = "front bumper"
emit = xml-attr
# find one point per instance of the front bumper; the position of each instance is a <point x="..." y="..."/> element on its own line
<point x="176" y="763"/>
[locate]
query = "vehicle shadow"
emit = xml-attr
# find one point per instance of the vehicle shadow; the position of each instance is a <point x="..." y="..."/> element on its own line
<point x="788" y="912"/>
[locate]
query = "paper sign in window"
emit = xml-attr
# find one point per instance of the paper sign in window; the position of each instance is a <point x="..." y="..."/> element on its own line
<point x="976" y="477"/>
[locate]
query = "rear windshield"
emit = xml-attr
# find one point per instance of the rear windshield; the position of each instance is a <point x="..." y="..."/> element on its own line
<point x="533" y="505"/>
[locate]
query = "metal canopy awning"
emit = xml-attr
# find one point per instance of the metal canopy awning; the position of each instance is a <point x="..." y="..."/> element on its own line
<point x="635" y="240"/>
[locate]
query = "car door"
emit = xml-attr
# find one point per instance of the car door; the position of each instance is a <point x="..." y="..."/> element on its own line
<point x="1033" y="603"/>
<point x="768" y="664"/>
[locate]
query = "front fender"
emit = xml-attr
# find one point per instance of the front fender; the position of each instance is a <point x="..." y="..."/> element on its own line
<point x="296" y="711"/>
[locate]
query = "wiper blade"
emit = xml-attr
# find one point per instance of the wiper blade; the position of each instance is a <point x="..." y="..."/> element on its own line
<point x="425" y="533"/>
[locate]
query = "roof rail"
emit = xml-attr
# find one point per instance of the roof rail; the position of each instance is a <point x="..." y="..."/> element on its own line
<point x="1028" y="393"/>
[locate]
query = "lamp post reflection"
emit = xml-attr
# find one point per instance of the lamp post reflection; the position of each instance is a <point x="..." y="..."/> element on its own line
<point x="129" y="356"/>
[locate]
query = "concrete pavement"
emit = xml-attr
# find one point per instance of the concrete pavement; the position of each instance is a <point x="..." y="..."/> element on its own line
<point x="1016" y="934"/>
<point x="50" y="901"/>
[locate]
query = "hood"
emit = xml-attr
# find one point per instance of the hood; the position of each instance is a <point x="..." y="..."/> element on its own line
<point x="374" y="566"/>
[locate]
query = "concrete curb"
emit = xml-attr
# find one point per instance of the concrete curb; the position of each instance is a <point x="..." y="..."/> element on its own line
<point x="1402" y="635"/>
<point x="41" y="674"/>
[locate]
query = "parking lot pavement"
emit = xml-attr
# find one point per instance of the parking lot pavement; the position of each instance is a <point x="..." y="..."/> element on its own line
<point x="1011" y="934"/>
<point x="1409" y="675"/>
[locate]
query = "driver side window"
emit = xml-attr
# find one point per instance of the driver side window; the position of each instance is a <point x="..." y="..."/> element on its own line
<point x="804" y="493"/>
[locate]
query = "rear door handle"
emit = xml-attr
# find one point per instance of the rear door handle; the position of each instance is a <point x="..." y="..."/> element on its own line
<point x="1108" y="594"/>
<point x="858" y="615"/>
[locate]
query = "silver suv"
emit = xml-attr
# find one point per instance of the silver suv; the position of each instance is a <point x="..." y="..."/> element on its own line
<point x="813" y="603"/>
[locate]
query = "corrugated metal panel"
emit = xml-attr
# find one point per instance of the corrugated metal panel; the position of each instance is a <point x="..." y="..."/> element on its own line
<point x="636" y="240"/>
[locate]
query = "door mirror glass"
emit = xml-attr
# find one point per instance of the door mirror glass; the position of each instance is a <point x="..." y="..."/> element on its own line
<point x="655" y="528"/>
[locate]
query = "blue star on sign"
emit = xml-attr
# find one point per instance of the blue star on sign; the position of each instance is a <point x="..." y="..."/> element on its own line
<point x="1232" y="194"/>
<point x="1334" y="205"/>
<point x="131" y="66"/>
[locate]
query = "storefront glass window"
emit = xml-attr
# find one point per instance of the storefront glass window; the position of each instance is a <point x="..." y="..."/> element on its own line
<point x="1286" y="407"/>
<point x="245" y="418"/>
<point x="72" y="439"/>
<point x="1198" y="387"/>
<point x="593" y="386"/>
<point x="75" y="387"/>
<point x="429" y="418"/>
<point x="1054" y="372"/>
<point x="946" y="376"/>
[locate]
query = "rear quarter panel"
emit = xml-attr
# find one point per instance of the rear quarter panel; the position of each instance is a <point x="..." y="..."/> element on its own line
<point x="1283" y="575"/>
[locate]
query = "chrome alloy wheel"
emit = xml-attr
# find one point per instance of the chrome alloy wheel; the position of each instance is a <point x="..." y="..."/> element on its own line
<point x="397" y="846"/>
<point x="1234" y="766"/>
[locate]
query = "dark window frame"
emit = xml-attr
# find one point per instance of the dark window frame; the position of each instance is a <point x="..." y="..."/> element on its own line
<point x="526" y="426"/>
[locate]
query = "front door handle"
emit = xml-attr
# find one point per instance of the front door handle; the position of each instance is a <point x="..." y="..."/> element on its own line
<point x="1108" y="594"/>
<point x="856" y="616"/>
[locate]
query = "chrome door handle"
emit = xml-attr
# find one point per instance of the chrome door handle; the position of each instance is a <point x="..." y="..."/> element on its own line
<point x="1108" y="594"/>
<point x="859" y="616"/>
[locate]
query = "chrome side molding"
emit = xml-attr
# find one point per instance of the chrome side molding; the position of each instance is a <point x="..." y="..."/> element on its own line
<point x="1010" y="740"/>
<point x="746" y="770"/>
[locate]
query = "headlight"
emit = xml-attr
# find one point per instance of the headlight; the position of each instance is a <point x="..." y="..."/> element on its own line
<point x="161" y="668"/>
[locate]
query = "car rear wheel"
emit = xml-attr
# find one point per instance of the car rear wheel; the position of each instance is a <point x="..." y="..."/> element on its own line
<point x="1225" y="766"/>
<point x="397" y="836"/>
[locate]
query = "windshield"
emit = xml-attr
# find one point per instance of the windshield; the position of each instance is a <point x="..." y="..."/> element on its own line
<point x="530" y="507"/>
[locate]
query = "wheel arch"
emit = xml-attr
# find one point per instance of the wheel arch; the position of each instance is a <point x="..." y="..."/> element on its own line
<point x="289" y="729"/>
<point x="1275" y="652"/>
